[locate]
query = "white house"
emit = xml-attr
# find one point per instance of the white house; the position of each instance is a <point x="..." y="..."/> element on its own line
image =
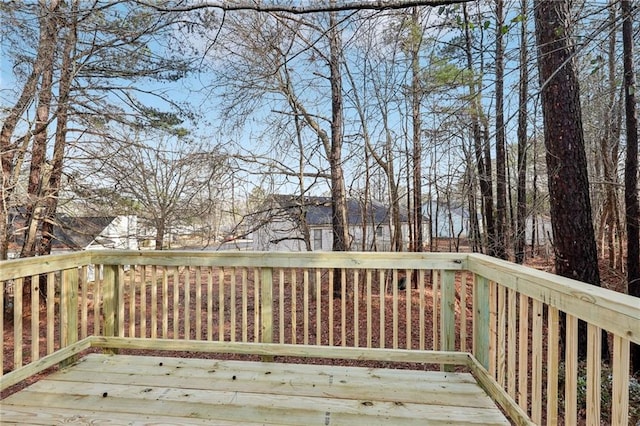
<point x="280" y="225"/>
<point x="447" y="220"/>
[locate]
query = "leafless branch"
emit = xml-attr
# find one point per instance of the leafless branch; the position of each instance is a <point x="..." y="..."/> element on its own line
<point x="301" y="10"/>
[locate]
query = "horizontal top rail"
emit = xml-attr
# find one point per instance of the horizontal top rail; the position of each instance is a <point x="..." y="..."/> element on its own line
<point x="613" y="311"/>
<point x="348" y="260"/>
<point x="16" y="268"/>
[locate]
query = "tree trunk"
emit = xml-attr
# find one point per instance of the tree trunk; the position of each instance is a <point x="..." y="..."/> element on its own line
<point x="501" y="168"/>
<point x="338" y="191"/>
<point x="574" y="240"/>
<point x="416" y="95"/>
<point x="521" y="210"/>
<point x="9" y="151"/>
<point x="632" y="204"/>
<point x="481" y="148"/>
<point x="37" y="170"/>
<point x="62" y="113"/>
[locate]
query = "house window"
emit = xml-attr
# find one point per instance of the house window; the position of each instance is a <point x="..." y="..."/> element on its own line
<point x="317" y="239"/>
<point x="379" y="231"/>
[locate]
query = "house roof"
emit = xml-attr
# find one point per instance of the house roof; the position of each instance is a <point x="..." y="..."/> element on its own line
<point x="318" y="210"/>
<point x="79" y="232"/>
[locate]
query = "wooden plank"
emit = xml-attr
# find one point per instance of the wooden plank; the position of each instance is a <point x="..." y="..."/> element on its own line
<point x="69" y="307"/>
<point x="501" y="331"/>
<point x="198" y="334"/>
<point x="456" y="389"/>
<point x="481" y="320"/>
<point x="463" y="311"/>
<point x="328" y="260"/>
<point x="270" y="409"/>
<point x="394" y="307"/>
<point x="18" y="285"/>
<point x="209" y="304"/>
<point x="448" y="311"/>
<point x="256" y="306"/>
<point x="84" y="313"/>
<point x="245" y="306"/>
<point x="305" y="306"/>
<point x="536" y="362"/>
<point x="143" y="301"/>
<point x="176" y="303"/>
<point x="38" y="265"/>
<point x="421" y="311"/>
<point x="336" y="385"/>
<point x="356" y="308"/>
<point x="523" y="353"/>
<point x="281" y="320"/>
<point x="51" y="294"/>
<point x="43" y="363"/>
<point x="132" y="300"/>
<point x="343" y="307"/>
<point x="165" y="303"/>
<point x="553" y="353"/>
<point x="187" y="303"/>
<point x="435" y="279"/>
<point x="571" y="371"/>
<point x="318" y="307"/>
<point x="221" y="314"/>
<point x="594" y="367"/>
<point x="408" y="296"/>
<point x="620" y="386"/>
<point x="493" y="328"/>
<point x="193" y="368"/>
<point x="120" y="300"/>
<point x="34" y="416"/>
<point x="154" y="302"/>
<point x="294" y="305"/>
<point x="382" y="295"/>
<point x="312" y="351"/>
<point x="98" y="290"/>
<point x="110" y="290"/>
<point x="35" y="317"/>
<point x="369" y="309"/>
<point x="266" y="305"/>
<point x="512" y="340"/>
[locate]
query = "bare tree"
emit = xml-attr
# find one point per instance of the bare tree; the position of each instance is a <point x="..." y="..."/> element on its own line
<point x="166" y="182"/>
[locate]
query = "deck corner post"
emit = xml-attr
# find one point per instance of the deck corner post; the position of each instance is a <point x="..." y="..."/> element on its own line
<point x="110" y="308"/>
<point x="481" y="320"/>
<point x="266" y="308"/>
<point x="448" y="313"/>
<point x="69" y="310"/>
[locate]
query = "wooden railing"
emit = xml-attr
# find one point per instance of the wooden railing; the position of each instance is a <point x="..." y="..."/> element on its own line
<point x="507" y="316"/>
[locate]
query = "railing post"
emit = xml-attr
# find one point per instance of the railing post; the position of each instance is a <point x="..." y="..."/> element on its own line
<point x="266" y="308"/>
<point x="110" y="290"/>
<point x="69" y="310"/>
<point x="481" y="320"/>
<point x="448" y="313"/>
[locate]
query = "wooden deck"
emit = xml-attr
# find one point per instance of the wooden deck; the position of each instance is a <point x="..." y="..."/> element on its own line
<point x="122" y="389"/>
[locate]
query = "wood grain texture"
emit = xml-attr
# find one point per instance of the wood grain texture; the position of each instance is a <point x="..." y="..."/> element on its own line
<point x="117" y="389"/>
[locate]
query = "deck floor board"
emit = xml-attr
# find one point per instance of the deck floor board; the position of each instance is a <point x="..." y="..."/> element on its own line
<point x="119" y="389"/>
